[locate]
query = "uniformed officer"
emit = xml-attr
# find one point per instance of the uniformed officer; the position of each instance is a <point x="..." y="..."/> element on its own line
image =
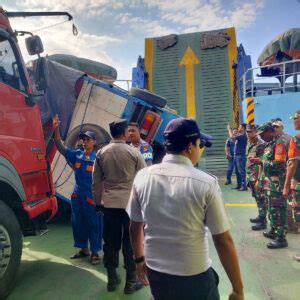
<point x="115" y="168"/>
<point x="86" y="223"/>
<point x="292" y="180"/>
<point x="137" y="142"/>
<point x="255" y="149"/>
<point x="274" y="168"/>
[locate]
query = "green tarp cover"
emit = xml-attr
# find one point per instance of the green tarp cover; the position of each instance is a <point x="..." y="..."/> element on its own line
<point x="286" y="42"/>
<point x="85" y="65"/>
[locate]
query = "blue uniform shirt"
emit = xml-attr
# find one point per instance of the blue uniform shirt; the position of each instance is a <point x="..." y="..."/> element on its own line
<point x="240" y="144"/>
<point x="83" y="170"/>
<point x="146" y="150"/>
<point x="230" y="144"/>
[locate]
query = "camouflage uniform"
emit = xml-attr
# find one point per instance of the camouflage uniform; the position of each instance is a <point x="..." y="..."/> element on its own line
<point x="294" y="154"/>
<point x="256" y="149"/>
<point x="274" y="168"/>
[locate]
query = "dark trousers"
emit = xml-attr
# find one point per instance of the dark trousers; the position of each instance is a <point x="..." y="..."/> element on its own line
<point x="203" y="286"/>
<point x="240" y="165"/>
<point x="115" y="236"/>
<point x="230" y="169"/>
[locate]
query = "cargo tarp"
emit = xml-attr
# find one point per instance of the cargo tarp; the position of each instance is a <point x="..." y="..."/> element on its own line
<point x="59" y="97"/>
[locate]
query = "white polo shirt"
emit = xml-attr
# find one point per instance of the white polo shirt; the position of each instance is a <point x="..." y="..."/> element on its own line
<point x="177" y="203"/>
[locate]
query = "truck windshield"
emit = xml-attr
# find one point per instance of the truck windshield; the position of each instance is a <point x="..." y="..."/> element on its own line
<point x="9" y="68"/>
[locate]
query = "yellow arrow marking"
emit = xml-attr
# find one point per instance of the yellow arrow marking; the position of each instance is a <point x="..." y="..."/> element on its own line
<point x="190" y="59"/>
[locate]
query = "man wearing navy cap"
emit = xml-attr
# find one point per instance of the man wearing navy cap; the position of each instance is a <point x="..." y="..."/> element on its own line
<point x="115" y="168"/>
<point x="86" y="223"/>
<point x="171" y="206"/>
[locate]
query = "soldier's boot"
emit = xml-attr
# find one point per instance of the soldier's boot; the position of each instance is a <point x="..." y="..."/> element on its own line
<point x="261" y="225"/>
<point x="132" y="284"/>
<point x="113" y="280"/>
<point x="270" y="234"/>
<point x="279" y="242"/>
<point x="255" y="220"/>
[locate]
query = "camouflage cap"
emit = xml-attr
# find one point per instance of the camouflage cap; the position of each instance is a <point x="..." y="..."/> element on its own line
<point x="251" y="127"/>
<point x="277" y="123"/>
<point x="264" y="127"/>
<point x="296" y="115"/>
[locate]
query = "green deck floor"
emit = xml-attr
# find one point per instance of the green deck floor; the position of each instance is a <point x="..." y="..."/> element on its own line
<point x="47" y="272"/>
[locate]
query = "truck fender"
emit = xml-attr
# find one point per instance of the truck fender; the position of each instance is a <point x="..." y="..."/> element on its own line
<point x="9" y="175"/>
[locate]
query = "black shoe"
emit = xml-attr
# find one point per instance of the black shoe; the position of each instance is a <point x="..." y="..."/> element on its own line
<point x="269" y="234"/>
<point x="259" y="226"/>
<point x="236" y="188"/>
<point x="242" y="189"/>
<point x="113" y="279"/>
<point x="227" y="182"/>
<point x="255" y="220"/>
<point x="278" y="243"/>
<point x="132" y="284"/>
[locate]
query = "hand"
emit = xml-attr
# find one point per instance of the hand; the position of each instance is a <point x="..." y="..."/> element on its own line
<point x="228" y="127"/>
<point x="228" y="157"/>
<point x="142" y="273"/>
<point x="254" y="160"/>
<point x="236" y="296"/>
<point x="286" y="191"/>
<point x="55" y="122"/>
<point x="99" y="209"/>
<point x="257" y="185"/>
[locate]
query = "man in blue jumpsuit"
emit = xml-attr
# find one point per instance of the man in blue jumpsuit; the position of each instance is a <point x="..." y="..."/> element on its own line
<point x="138" y="143"/>
<point x="86" y="223"/>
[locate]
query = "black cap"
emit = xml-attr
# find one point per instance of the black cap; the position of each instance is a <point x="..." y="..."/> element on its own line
<point x="89" y="134"/>
<point x="251" y="127"/>
<point x="183" y="129"/>
<point x="118" y="127"/>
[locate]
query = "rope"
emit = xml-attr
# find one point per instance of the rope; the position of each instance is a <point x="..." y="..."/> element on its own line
<point x="49" y="26"/>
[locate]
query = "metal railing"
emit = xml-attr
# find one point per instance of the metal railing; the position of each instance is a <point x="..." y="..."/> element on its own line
<point x="284" y="79"/>
<point x="122" y="83"/>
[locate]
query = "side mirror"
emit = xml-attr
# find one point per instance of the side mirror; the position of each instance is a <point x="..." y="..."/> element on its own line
<point x="34" y="45"/>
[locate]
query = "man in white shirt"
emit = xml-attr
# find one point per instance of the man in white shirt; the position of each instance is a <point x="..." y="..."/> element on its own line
<point x="172" y="206"/>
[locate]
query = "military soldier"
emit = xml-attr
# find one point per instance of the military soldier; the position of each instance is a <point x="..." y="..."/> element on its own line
<point x="279" y="126"/>
<point x="292" y="180"/>
<point x="274" y="168"/>
<point x="255" y="149"/>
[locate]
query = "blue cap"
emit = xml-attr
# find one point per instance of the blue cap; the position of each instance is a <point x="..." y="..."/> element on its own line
<point x="181" y="129"/>
<point x="89" y="134"/>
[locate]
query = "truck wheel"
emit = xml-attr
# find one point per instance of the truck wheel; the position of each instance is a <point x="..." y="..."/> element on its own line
<point x="148" y="97"/>
<point x="11" y="242"/>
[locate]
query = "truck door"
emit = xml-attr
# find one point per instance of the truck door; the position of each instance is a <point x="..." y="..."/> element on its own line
<point x="21" y="136"/>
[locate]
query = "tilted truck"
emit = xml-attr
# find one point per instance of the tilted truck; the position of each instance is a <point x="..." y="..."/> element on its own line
<point x="27" y="196"/>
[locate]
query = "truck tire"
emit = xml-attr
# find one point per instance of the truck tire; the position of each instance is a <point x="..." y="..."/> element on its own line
<point x="11" y="242"/>
<point x="148" y="97"/>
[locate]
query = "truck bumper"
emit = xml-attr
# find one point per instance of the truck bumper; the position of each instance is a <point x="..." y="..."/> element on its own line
<point x="35" y="208"/>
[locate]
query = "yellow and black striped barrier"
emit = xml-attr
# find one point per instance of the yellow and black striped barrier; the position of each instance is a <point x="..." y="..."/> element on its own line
<point x="250" y="110"/>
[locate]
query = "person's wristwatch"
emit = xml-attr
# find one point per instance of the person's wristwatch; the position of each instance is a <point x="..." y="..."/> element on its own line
<point x="140" y="259"/>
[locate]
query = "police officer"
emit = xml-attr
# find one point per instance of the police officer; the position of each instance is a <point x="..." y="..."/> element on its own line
<point x="292" y="180"/>
<point x="115" y="168"/>
<point x="86" y="223"/>
<point x="137" y="142"/>
<point x="274" y="168"/>
<point x="255" y="149"/>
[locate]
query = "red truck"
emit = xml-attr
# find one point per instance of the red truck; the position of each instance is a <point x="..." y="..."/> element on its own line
<point x="27" y="197"/>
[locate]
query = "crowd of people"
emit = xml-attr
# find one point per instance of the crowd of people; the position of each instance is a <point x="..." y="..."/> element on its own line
<point x="120" y="197"/>
<point x="265" y="159"/>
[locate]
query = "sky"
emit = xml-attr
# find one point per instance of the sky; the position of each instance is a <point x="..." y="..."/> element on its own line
<point x="113" y="31"/>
